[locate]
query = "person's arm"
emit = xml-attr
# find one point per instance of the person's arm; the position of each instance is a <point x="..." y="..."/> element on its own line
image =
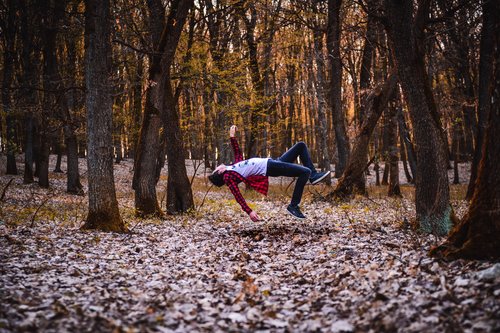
<point x="232" y="182"/>
<point x="234" y="144"/>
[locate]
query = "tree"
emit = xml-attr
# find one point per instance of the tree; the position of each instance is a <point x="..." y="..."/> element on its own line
<point x="150" y="153"/>
<point x="335" y="65"/>
<point x="406" y="32"/>
<point x="486" y="53"/>
<point x="54" y="85"/>
<point x="9" y="32"/>
<point x="179" y="194"/>
<point x="478" y="234"/>
<point x="161" y="104"/>
<point x="352" y="181"/>
<point x="103" y="207"/>
<point x="29" y="80"/>
<point x="322" y="135"/>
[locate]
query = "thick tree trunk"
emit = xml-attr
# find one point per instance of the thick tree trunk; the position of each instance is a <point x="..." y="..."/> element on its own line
<point x="179" y="194"/>
<point x="103" y="207"/>
<point x="352" y="181"/>
<point x="338" y="115"/>
<point x="478" y="234"/>
<point x="486" y="56"/>
<point x="148" y="159"/>
<point x="433" y="210"/>
<point x="148" y="155"/>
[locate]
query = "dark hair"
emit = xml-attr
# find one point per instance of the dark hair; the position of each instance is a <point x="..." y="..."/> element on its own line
<point x="217" y="179"/>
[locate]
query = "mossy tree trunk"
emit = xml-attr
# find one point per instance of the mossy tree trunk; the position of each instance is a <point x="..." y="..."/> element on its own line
<point x="432" y="198"/>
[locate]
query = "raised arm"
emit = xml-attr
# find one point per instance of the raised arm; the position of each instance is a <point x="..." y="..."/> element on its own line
<point x="234" y="144"/>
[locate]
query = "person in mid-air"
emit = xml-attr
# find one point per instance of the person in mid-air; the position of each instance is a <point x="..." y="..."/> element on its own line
<point x="255" y="172"/>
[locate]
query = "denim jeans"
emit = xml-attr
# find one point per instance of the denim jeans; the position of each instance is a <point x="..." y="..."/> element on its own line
<point x="284" y="166"/>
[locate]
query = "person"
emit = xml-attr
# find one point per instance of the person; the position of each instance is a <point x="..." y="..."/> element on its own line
<point x="255" y="172"/>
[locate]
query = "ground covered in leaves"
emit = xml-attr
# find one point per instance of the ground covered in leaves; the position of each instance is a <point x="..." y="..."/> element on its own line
<point x="350" y="267"/>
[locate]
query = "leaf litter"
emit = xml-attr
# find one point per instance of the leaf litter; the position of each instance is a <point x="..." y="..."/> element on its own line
<point x="349" y="267"/>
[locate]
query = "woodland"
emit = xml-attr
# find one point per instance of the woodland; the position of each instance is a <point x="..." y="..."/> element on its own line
<point x="113" y="114"/>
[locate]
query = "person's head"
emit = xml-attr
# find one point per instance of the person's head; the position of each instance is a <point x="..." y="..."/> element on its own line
<point x="217" y="177"/>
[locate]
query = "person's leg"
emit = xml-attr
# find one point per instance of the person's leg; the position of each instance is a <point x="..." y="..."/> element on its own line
<point x="277" y="168"/>
<point x="299" y="150"/>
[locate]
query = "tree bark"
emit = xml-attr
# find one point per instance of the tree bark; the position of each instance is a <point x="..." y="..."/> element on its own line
<point x="392" y="159"/>
<point x="486" y="56"/>
<point x="352" y="181"/>
<point x="29" y="61"/>
<point x="148" y="160"/>
<point x="402" y="153"/>
<point x="103" y="211"/>
<point x="433" y="210"/>
<point x="407" y="144"/>
<point x="53" y="83"/>
<point x="179" y="194"/>
<point x="338" y="115"/>
<point x="8" y="76"/>
<point x="322" y="134"/>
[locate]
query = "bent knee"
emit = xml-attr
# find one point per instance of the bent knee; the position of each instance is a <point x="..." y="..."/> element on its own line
<point x="301" y="144"/>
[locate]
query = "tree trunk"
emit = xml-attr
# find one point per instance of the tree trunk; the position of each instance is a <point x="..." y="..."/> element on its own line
<point x="255" y="118"/>
<point x="103" y="206"/>
<point x="148" y="159"/>
<point x="366" y="64"/>
<point x="478" y="234"/>
<point x="433" y="210"/>
<point x="322" y="134"/>
<point x="218" y="43"/>
<point x="402" y="152"/>
<point x="486" y="56"/>
<point x="8" y="75"/>
<point x="392" y="158"/>
<point x="29" y="60"/>
<point x="179" y="194"/>
<point x="352" y="181"/>
<point x="54" y="84"/>
<point x="58" y="151"/>
<point x="291" y="85"/>
<point x="29" y="129"/>
<point x="407" y="143"/>
<point x="338" y="115"/>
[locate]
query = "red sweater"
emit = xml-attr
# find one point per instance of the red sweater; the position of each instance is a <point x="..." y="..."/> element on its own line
<point x="232" y="179"/>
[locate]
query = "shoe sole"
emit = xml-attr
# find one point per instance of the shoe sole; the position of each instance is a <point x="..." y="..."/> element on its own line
<point x="320" y="178"/>
<point x="298" y="218"/>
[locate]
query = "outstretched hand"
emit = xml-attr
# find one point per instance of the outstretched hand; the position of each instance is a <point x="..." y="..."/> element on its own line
<point x="232" y="131"/>
<point x="254" y="216"/>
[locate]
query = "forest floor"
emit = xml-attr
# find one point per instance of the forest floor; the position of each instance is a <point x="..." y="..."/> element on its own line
<point x="356" y="266"/>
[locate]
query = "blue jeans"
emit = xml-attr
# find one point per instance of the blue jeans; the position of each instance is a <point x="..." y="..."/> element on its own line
<point x="284" y="166"/>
